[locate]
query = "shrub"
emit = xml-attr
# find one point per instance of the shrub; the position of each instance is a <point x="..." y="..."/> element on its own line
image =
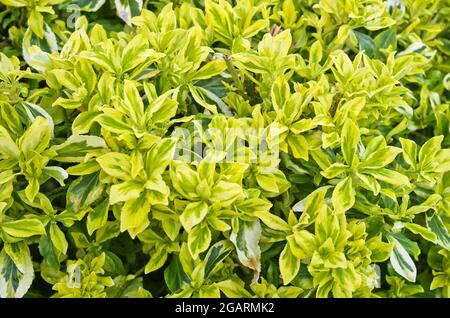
<point x="218" y="148"/>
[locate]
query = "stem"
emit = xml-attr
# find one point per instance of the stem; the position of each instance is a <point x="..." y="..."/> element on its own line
<point x="234" y="75"/>
<point x="57" y="192"/>
<point x="139" y="272"/>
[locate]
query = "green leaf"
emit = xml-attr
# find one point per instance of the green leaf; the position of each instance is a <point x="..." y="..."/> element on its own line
<point x="273" y="221"/>
<point x="193" y="214"/>
<point x="381" y="251"/>
<point x="302" y="244"/>
<point x="199" y="239"/>
<point x="58" y="238"/>
<point x="36" y="50"/>
<point x="196" y="93"/>
<point x="126" y="9"/>
<point x="57" y="173"/>
<point x="327" y="227"/>
<point x="349" y="138"/>
<point x="29" y="112"/>
<point x="32" y="189"/>
<point x="299" y="146"/>
<point x="76" y="147"/>
<point x="255" y="27"/>
<point x="159" y="157"/>
<point x="384" y="40"/>
<point x="157" y="260"/>
<point x="88" y="167"/>
<point x="267" y="182"/>
<point x="343" y="195"/>
<point x="209" y="70"/>
<point x="446" y="81"/>
<point x="66" y="79"/>
<point x="47" y="250"/>
<point x="116" y="164"/>
<point x="125" y="191"/>
<point x="246" y="241"/>
<point x="91" y="5"/>
<point x="80" y="240"/>
<point x="211" y="291"/>
<point x="381" y="157"/>
<point x="134" y="215"/>
<point x="409" y="151"/>
<point x="370" y="183"/>
<point x="114" y="124"/>
<point x="85" y="71"/>
<point x="225" y="193"/>
<point x="280" y="93"/>
<point x="315" y="53"/>
<point x="174" y="275"/>
<point x="402" y="262"/>
<point x="9" y="147"/>
<point x="289" y="265"/>
<point x="389" y="176"/>
<point x="289" y="13"/>
<point x="128" y="287"/>
<point x="438" y="227"/>
<point x="429" y="150"/>
<point x="411" y="247"/>
<point x="133" y="101"/>
<point x="36" y="138"/>
<point x="83" y="192"/>
<point x="335" y="170"/>
<point x="19" y="253"/>
<point x="275" y="183"/>
<point x="36" y="23"/>
<point x="98" y="216"/>
<point x="311" y="206"/>
<point x="15" y="279"/>
<point x="216" y="254"/>
<point x="366" y="43"/>
<point x="107" y="232"/>
<point x="23" y="228"/>
<point x="422" y="231"/>
<point x="163" y="107"/>
<point x="40" y="201"/>
<point x="225" y="140"/>
<point x="84" y="121"/>
<point x="233" y="289"/>
<point x="379" y="23"/>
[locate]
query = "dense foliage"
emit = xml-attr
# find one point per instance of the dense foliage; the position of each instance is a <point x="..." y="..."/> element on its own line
<point x="273" y="148"/>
